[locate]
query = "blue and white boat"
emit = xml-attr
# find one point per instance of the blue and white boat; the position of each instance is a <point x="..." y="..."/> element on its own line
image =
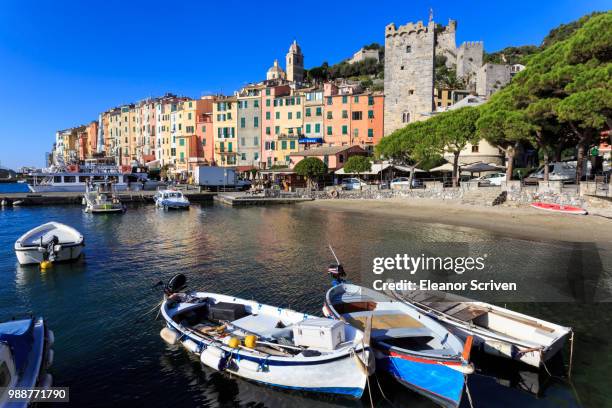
<point x="414" y="348"/>
<point x="268" y="344"/>
<point x="170" y="199"/>
<point x="25" y="355"/>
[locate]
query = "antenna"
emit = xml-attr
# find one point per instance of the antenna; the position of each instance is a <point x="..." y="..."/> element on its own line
<point x="333" y="253"/>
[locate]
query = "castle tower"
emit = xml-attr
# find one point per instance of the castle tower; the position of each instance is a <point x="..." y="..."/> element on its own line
<point x="469" y="60"/>
<point x="295" y="63"/>
<point x="409" y="73"/>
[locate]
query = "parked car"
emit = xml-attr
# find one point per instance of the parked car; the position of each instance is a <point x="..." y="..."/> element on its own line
<point x="353" y="183"/>
<point x="404" y="182"/>
<point x="493" y="179"/>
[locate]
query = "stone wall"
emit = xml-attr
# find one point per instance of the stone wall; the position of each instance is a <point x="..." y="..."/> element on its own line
<point x="491" y="78"/>
<point x="469" y="60"/>
<point x="445" y="42"/>
<point x="409" y="73"/>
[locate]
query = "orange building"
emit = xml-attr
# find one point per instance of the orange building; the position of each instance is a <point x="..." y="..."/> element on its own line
<point x="352" y="117"/>
<point x="92" y="138"/>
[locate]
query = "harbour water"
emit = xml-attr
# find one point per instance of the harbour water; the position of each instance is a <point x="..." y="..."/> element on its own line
<point x="103" y="307"/>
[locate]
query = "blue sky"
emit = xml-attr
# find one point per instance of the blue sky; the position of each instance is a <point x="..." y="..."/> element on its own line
<point x="63" y="62"/>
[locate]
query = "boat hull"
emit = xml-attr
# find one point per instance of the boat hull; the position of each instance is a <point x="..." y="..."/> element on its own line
<point x="562" y="209"/>
<point x="76" y="188"/>
<point x="172" y="205"/>
<point x="31" y="255"/>
<point x="430" y="378"/>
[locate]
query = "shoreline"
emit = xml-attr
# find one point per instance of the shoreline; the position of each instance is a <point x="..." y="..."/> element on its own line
<point x="521" y="222"/>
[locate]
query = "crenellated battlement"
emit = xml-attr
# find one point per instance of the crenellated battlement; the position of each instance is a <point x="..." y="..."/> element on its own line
<point x="410" y="28"/>
<point x="472" y="44"/>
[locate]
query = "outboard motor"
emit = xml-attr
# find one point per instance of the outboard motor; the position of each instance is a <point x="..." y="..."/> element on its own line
<point x="177" y="283"/>
<point x="337" y="273"/>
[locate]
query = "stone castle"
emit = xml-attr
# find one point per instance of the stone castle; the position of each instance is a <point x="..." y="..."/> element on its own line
<point x="410" y="54"/>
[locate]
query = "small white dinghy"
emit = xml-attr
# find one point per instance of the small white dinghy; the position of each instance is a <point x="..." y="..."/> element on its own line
<point x="267" y="344"/>
<point x="496" y="330"/>
<point x="52" y="242"/>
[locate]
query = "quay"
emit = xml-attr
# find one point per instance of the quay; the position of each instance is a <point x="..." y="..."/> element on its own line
<point x="64" y="198"/>
<point x="240" y="199"/>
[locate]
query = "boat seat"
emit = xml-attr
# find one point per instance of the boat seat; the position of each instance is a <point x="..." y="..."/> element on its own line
<point x="383" y="320"/>
<point x="263" y="326"/>
<point x="402" y="332"/>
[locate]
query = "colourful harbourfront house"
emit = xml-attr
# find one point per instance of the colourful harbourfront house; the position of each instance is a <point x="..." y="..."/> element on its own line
<point x="264" y="125"/>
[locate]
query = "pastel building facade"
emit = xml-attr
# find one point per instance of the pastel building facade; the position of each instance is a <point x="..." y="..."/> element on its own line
<point x="225" y="114"/>
<point x="249" y="127"/>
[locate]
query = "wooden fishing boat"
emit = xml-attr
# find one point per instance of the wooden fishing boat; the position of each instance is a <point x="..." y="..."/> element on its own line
<point x="565" y="209"/>
<point x="25" y="355"/>
<point x="267" y="344"/>
<point x="52" y="241"/>
<point x="495" y="330"/>
<point x="414" y="348"/>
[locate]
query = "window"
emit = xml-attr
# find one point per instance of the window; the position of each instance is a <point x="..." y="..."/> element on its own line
<point x="344" y="114"/>
<point x="203" y="129"/>
<point x="256" y="141"/>
<point x="242" y="141"/>
<point x="273" y="145"/>
<point x="268" y="130"/>
<point x="370" y="132"/>
<point x="357" y="115"/>
<point x="203" y="142"/>
<point x="475" y="149"/>
<point x="243" y="156"/>
<point x="405" y="117"/>
<point x="370" y="100"/>
<point x="276" y="130"/>
<point x="307" y="112"/>
<point x="256" y="156"/>
<point x="356" y="99"/>
<point x="317" y="128"/>
<point x="356" y="133"/>
<point x="287" y="158"/>
<point x="344" y="130"/>
<point x="277" y="115"/>
<point x="370" y="114"/>
<point x="69" y="179"/>
<point x="222" y="146"/>
<point x="229" y="116"/>
<point x="256" y="121"/>
<point x="292" y="144"/>
<point x="298" y="115"/>
<point x="344" y="99"/>
<point x="329" y="100"/>
<point x="267" y="102"/>
<point x="267" y="115"/>
<point x="229" y="147"/>
<point x="267" y="92"/>
<point x="319" y="111"/>
<point x="284" y="145"/>
<point x="181" y="142"/>
<point x="245" y="104"/>
<point x="267" y="145"/>
<point x="329" y="115"/>
<point x="307" y="128"/>
<point x="242" y="122"/>
<point x="190" y="105"/>
<point x="289" y="115"/>
<point x="329" y="130"/>
<point x="182" y="157"/>
<point x="408" y="49"/>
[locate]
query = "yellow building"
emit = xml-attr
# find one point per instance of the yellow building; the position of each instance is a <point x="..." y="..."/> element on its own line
<point x="225" y="122"/>
<point x="288" y="125"/>
<point x="162" y="137"/>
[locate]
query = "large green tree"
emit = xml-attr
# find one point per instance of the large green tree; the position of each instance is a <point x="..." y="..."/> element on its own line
<point x="310" y="168"/>
<point x="412" y="145"/>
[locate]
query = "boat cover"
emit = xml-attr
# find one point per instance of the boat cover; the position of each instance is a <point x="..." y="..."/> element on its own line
<point x="18" y="334"/>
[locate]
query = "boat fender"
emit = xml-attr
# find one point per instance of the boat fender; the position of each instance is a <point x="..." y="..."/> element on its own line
<point x="50" y="337"/>
<point x="46" y="265"/>
<point x="250" y="341"/>
<point x="233" y="342"/>
<point x="46" y="381"/>
<point x="248" y="365"/>
<point x="191" y="346"/>
<point x="169" y="336"/>
<point x="214" y="358"/>
<point x="50" y="357"/>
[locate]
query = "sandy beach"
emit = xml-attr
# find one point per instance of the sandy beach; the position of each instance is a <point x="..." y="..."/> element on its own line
<point x="522" y="222"/>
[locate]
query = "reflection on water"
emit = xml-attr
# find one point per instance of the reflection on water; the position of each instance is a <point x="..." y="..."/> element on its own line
<point x="107" y="341"/>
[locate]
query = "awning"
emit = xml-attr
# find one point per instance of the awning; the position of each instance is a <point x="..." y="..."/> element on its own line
<point x="445" y="168"/>
<point x="154" y="164"/>
<point x="480" y="167"/>
<point x="376" y="168"/>
<point x="407" y="169"/>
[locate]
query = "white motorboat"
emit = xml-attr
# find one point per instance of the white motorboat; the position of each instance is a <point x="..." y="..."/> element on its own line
<point x="170" y="199"/>
<point x="102" y="198"/>
<point x="496" y="330"/>
<point x="267" y="344"/>
<point x="25" y="355"/>
<point x="52" y="242"/>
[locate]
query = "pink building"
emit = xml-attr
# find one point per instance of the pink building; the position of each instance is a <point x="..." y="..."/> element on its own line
<point x="268" y="136"/>
<point x="334" y="156"/>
